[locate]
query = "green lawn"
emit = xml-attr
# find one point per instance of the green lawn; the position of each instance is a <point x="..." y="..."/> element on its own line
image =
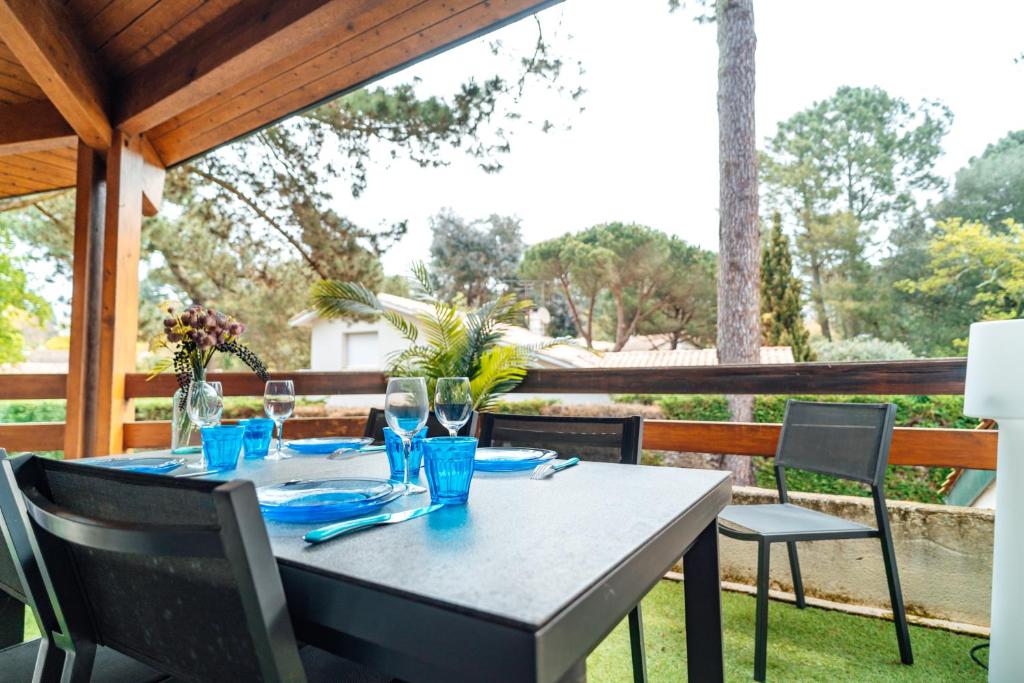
<point x="803" y="645"/>
<point x="809" y="645"/>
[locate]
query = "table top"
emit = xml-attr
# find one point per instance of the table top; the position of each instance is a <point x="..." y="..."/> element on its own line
<point x="517" y="553"/>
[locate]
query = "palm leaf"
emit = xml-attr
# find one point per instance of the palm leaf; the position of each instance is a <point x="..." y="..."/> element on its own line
<point x="501" y="370"/>
<point x="423" y="288"/>
<point x="336" y="299"/>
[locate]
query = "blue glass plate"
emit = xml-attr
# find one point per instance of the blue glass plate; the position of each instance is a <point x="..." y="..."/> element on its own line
<point x="510" y="459"/>
<point x="324" y="500"/>
<point x="324" y="445"/>
<point x="153" y="464"/>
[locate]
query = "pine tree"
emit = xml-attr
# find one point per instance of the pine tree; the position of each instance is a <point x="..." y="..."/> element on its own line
<point x="781" y="322"/>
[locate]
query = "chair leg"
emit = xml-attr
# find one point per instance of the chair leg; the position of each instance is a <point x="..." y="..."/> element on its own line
<point x="794" y="569"/>
<point x="49" y="663"/>
<point x="899" y="613"/>
<point x="78" y="665"/>
<point x="761" y="620"/>
<point x="636" y="645"/>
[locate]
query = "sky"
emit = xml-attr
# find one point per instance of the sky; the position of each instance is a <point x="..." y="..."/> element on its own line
<point x="645" y="149"/>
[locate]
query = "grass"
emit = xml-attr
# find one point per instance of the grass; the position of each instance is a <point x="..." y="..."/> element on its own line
<point x="803" y="645"/>
<point x="808" y="645"/>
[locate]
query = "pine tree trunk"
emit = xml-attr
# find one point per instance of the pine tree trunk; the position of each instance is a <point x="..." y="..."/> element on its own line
<point x="818" y="296"/>
<point x="739" y="307"/>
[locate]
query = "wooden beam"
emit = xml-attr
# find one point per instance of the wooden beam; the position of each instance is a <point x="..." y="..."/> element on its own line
<point x="153" y="175"/>
<point x="120" y="289"/>
<point x="157" y="434"/>
<point x="33" y="127"/>
<point x="243" y="40"/>
<point x="86" y="305"/>
<point x="22" y="386"/>
<point x="43" y="37"/>
<point x="913" y="377"/>
<point x="32" y="436"/>
<point x="971" y="448"/>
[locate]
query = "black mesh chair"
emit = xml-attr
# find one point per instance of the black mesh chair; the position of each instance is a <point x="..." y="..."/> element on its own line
<point x="597" y="439"/>
<point x="850" y="441"/>
<point x="20" y="579"/>
<point x="176" y="573"/>
<point x="375" y="424"/>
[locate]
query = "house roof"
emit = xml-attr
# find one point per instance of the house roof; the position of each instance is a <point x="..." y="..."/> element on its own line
<point x="574" y="355"/>
<point x="770" y="355"/>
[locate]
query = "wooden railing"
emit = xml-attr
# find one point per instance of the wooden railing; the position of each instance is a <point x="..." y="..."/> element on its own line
<point x="911" y="446"/>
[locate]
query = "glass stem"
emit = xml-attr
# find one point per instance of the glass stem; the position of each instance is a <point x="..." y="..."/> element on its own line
<point x="280" y="435"/>
<point x="406" y="448"/>
<point x="453" y="432"/>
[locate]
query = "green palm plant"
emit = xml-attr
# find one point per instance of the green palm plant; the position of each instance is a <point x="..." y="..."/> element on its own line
<point x="456" y="344"/>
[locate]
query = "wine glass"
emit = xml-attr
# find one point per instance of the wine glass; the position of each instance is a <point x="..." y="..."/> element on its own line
<point x="405" y="409"/>
<point x="278" y="404"/>
<point x="204" y="404"/>
<point x="453" y="403"/>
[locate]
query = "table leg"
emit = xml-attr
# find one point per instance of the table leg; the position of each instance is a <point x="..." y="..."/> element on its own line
<point x="703" y="592"/>
<point x="577" y="674"/>
<point x="12" y="621"/>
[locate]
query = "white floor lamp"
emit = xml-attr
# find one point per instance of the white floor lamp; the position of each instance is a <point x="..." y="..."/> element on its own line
<point x="995" y="389"/>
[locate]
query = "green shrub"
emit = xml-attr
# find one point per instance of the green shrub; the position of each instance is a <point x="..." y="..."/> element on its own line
<point x="862" y="347"/>
<point x="44" y="410"/>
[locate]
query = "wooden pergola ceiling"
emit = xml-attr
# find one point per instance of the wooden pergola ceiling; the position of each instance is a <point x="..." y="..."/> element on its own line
<point x="190" y="75"/>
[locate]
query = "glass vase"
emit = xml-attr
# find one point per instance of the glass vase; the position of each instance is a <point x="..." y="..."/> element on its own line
<point x="185" y="436"/>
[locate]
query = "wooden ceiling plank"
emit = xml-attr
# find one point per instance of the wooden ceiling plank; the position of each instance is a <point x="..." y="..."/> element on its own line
<point x="174" y="34"/>
<point x="189" y="141"/>
<point x="143" y="31"/>
<point x="37" y="160"/>
<point x="86" y="10"/>
<point x="288" y="72"/>
<point x="33" y="127"/>
<point x="8" y="97"/>
<point x="24" y="185"/>
<point x="21" y="86"/>
<point x="41" y="35"/>
<point x="242" y="41"/>
<point x="113" y="20"/>
<point x="37" y="173"/>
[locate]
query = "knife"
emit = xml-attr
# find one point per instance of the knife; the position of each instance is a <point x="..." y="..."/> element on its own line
<point x="326" y="533"/>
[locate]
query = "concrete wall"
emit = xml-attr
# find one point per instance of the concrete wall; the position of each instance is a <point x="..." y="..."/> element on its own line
<point x="944" y="554"/>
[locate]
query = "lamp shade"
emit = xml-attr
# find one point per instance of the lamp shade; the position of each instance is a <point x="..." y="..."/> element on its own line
<point x="995" y="370"/>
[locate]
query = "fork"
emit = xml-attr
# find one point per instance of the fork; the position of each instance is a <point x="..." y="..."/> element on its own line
<point x="548" y="469"/>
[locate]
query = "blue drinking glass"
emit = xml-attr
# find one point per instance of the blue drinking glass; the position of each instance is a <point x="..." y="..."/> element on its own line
<point x="396" y="457"/>
<point x="448" y="461"/>
<point x="221" y="446"/>
<point x="256" y="440"/>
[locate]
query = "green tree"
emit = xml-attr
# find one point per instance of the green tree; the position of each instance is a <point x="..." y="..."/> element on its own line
<point x="18" y="304"/>
<point x="990" y="188"/>
<point x="475" y="260"/>
<point x="629" y="264"/>
<point x="970" y="258"/>
<point x="782" y="322"/>
<point x="688" y="302"/>
<point x="839" y="169"/>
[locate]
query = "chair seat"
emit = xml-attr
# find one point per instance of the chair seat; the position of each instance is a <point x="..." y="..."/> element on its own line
<point x="785" y="521"/>
<point x="18" y="662"/>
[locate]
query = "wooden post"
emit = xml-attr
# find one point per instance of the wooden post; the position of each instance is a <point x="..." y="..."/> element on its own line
<point x="83" y="365"/>
<point x="120" y="290"/>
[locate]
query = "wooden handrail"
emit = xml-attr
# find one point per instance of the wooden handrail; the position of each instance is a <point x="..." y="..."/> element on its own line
<point x="931" y="376"/>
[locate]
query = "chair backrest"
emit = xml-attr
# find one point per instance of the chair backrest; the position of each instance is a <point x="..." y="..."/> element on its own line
<point x="376" y="422"/>
<point x="847" y="440"/>
<point x="11" y="580"/>
<point x="177" y="573"/>
<point x="598" y="439"/>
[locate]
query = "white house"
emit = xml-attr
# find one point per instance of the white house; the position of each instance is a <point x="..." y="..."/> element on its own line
<point x="337" y="345"/>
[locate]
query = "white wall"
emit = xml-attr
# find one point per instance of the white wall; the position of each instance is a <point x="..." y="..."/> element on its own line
<point x="328" y="354"/>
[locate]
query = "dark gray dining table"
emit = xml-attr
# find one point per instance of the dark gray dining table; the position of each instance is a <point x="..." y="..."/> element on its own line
<point x="520" y="584"/>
